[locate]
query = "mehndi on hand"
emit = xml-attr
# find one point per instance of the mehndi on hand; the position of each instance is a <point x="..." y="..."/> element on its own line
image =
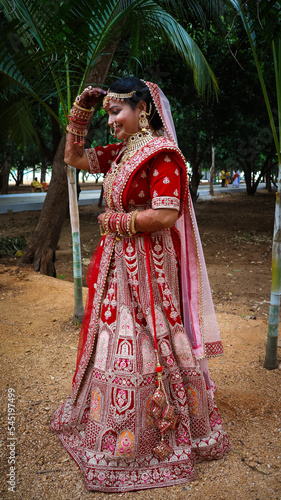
<point x="90" y="97"/>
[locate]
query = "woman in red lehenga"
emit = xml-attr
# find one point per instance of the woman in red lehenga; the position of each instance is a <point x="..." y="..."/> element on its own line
<point x="142" y="411"/>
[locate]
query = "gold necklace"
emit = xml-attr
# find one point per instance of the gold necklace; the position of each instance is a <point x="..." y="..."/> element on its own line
<point x="133" y="144"/>
<point x="137" y="141"/>
<point x="108" y="184"/>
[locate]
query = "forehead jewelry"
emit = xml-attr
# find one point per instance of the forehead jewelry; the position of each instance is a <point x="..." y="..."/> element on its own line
<point x="112" y="96"/>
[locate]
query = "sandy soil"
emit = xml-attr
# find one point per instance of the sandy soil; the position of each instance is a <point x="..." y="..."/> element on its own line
<point x="38" y="353"/>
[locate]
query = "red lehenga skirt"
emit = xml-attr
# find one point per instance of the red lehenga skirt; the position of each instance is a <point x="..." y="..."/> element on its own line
<point x="109" y="430"/>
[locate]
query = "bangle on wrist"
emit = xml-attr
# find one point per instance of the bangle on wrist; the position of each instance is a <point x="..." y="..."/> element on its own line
<point x="105" y="222"/>
<point x="133" y="221"/>
<point x="111" y="222"/>
<point x="122" y="224"/>
<point x="86" y="110"/>
<point x="129" y="220"/>
<point x="78" y="119"/>
<point x="117" y="223"/>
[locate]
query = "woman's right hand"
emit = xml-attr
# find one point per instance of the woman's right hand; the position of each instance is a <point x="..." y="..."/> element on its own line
<point x="90" y="96"/>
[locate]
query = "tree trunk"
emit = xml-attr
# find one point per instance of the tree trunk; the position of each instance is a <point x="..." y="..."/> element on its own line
<point x="195" y="180"/>
<point x="100" y="198"/>
<point x="40" y="251"/>
<point x="212" y="172"/>
<point x="268" y="181"/>
<point x="4" y="175"/>
<point x="250" y="189"/>
<point x="43" y="169"/>
<point x="19" y="178"/>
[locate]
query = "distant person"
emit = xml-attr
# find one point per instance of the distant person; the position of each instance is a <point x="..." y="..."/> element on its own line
<point x="36" y="185"/>
<point x="227" y="178"/>
<point x="239" y="176"/>
<point x="235" y="179"/>
<point x="223" y="178"/>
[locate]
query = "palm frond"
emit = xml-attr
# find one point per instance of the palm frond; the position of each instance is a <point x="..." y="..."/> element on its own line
<point x="263" y="19"/>
<point x="147" y="14"/>
<point x="16" y="123"/>
<point x="51" y="51"/>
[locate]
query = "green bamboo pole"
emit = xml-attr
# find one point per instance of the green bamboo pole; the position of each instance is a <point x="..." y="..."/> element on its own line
<point x="75" y="228"/>
<point x="270" y="361"/>
<point x="77" y="265"/>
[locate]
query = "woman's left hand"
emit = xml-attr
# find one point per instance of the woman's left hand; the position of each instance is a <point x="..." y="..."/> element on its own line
<point x="100" y="220"/>
<point x="101" y="217"/>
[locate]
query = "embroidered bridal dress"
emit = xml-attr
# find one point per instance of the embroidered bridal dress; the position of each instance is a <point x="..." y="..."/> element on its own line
<point x="107" y="425"/>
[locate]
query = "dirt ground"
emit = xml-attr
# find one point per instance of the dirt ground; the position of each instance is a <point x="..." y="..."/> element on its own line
<point x="38" y="354"/>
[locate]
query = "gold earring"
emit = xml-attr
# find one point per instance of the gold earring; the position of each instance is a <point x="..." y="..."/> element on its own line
<point x="143" y="121"/>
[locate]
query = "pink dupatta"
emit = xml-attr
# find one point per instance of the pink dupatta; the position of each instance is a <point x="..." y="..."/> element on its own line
<point x="198" y="309"/>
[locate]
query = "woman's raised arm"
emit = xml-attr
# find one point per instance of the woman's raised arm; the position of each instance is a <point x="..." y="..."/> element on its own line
<point x="80" y="114"/>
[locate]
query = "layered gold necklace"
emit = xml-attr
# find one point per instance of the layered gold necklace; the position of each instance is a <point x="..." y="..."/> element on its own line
<point x="133" y="144"/>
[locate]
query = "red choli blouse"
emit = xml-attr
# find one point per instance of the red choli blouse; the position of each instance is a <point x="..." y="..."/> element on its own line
<point x="156" y="184"/>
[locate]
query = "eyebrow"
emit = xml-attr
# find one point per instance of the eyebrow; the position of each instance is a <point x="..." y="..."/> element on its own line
<point x="114" y="106"/>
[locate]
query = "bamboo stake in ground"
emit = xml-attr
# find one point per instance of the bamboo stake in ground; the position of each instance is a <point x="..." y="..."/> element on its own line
<point x="77" y="266"/>
<point x="274" y="311"/>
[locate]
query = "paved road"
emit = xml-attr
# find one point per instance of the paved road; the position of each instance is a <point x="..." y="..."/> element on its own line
<point x="34" y="201"/>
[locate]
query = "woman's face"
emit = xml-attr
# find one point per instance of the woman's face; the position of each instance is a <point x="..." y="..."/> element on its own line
<point x="125" y="118"/>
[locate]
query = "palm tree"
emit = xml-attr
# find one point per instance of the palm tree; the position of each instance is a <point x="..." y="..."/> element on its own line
<point x="51" y="52"/>
<point x="264" y="19"/>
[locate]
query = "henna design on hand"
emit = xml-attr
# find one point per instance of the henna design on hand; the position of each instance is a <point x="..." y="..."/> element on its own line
<point x="90" y="97"/>
<point x="71" y="148"/>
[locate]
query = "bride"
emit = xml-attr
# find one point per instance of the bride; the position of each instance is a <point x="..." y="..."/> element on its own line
<point x="142" y="411"/>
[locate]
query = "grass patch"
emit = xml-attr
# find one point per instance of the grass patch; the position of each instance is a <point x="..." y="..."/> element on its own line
<point x="11" y="245"/>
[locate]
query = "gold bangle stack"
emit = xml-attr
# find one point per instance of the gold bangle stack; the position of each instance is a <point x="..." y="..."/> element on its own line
<point x="113" y="223"/>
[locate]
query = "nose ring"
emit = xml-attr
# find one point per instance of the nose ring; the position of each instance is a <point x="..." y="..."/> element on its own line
<point x="114" y="129"/>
